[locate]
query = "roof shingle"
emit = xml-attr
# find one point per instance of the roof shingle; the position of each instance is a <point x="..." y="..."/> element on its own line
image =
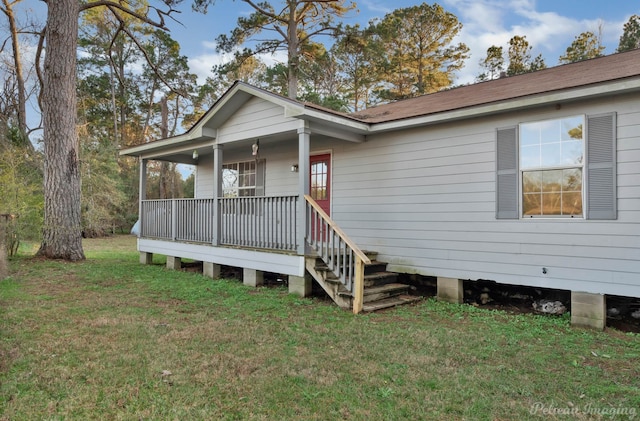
<point x="589" y="72"/>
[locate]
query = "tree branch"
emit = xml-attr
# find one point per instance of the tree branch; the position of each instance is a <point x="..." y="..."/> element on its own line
<point x="160" y="23"/>
<point x="38" y="68"/>
<point x="135" y="40"/>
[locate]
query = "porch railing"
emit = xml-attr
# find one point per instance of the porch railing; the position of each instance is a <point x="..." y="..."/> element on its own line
<point x="259" y="222"/>
<point x="256" y="222"/>
<point x="341" y="255"/>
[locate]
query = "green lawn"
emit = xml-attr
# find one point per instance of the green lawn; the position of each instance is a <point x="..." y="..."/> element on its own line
<point x="109" y="338"/>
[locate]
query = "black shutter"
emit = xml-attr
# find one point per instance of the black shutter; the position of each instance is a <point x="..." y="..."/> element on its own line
<point x="507" y="198"/>
<point x="601" y="167"/>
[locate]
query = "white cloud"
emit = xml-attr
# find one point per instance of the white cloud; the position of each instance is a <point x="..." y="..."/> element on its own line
<point x="495" y="22"/>
<point x="201" y="64"/>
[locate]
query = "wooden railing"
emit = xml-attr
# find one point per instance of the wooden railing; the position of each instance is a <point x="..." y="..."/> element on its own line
<point x="259" y="222"/>
<point x="337" y="250"/>
<point x="195" y="219"/>
<point x="256" y="222"/>
<point x="156" y="219"/>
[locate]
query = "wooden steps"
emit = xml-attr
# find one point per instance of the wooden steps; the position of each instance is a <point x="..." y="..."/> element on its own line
<point x="390" y="302"/>
<point x="381" y="288"/>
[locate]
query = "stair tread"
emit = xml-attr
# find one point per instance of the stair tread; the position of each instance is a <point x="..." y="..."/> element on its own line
<point x="390" y="302"/>
<point x="382" y="274"/>
<point x="385" y="288"/>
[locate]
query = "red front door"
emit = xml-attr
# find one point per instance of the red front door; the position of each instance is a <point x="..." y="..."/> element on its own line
<point x="320" y="180"/>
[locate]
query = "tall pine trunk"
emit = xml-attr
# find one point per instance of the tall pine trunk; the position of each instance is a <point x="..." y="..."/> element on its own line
<point x="62" y="232"/>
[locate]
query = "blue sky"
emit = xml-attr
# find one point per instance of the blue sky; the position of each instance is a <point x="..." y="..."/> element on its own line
<point x="549" y="25"/>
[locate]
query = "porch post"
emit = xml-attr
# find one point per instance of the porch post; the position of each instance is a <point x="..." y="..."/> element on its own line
<point x="142" y="194"/>
<point x="304" y="144"/>
<point x="145" y="257"/>
<point x="217" y="191"/>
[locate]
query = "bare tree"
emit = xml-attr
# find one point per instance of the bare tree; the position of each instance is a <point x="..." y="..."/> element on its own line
<point x="16" y="90"/>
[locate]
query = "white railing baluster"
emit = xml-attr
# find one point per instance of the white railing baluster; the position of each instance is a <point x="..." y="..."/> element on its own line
<point x="345" y="259"/>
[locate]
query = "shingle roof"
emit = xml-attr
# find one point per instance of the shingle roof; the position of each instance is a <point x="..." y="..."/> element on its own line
<point x="589" y="72"/>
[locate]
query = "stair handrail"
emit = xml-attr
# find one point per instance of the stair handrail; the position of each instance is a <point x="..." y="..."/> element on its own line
<point x="361" y="259"/>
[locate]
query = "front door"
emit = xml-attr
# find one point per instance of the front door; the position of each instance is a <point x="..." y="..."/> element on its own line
<point x="320" y="180"/>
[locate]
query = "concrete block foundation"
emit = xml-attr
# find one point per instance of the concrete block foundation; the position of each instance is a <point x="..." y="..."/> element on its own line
<point x="252" y="277"/>
<point x="450" y="290"/>
<point x="146" y="258"/>
<point x="211" y="270"/>
<point x="300" y="285"/>
<point x="174" y="263"/>
<point x="588" y="310"/>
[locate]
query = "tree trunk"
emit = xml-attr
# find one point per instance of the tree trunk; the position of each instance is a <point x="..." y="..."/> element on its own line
<point x="17" y="63"/>
<point x="164" y="166"/>
<point x="4" y="264"/>
<point x="292" y="51"/>
<point x="62" y="232"/>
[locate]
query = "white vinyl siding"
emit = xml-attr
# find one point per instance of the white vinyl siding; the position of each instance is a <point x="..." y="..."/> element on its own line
<point x="257" y="118"/>
<point x="425" y="199"/>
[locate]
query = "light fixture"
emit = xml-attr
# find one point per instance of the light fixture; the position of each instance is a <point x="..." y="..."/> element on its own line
<point x="255" y="147"/>
<point x="195" y="155"/>
<point x="294" y="168"/>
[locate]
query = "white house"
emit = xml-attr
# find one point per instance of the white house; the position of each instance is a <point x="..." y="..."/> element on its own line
<point x="527" y="180"/>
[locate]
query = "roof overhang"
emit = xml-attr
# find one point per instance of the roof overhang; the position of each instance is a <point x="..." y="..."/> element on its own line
<point x="557" y="97"/>
<point x="203" y="135"/>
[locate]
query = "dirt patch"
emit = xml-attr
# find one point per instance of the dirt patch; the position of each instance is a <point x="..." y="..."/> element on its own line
<point x="517" y="299"/>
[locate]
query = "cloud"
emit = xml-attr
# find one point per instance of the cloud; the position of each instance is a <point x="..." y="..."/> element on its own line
<point x="495" y="22"/>
<point x="201" y="64"/>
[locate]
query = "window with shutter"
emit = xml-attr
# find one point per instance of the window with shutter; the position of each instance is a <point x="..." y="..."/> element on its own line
<point x="557" y="168"/>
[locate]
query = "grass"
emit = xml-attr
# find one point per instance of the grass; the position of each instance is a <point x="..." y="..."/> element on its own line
<point x="109" y="338"/>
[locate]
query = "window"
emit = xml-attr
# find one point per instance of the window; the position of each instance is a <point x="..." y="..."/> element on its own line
<point x="564" y="167"/>
<point x="551" y="165"/>
<point x="239" y="179"/>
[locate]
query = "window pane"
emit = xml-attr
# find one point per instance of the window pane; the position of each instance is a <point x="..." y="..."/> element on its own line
<point x="552" y="204"/>
<point x="529" y="134"/>
<point x="530" y="157"/>
<point x="572" y="180"/>
<point x="572" y="204"/>
<point x="572" y="152"/>
<point x="229" y="182"/>
<point x="549" y="131"/>
<point x="572" y="128"/>
<point x="552" y="181"/>
<point x="532" y="181"/>
<point x="550" y="154"/>
<point x="532" y="204"/>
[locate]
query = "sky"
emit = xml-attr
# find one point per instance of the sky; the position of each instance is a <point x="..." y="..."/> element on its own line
<point x="549" y="26"/>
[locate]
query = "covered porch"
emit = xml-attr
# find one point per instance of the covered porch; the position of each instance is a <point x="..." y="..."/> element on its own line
<point x="269" y="220"/>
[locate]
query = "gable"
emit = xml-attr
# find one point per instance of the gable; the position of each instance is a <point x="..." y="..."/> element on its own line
<point x="256" y="118"/>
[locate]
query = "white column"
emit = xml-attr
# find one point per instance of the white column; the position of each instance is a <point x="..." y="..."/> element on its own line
<point x="217" y="190"/>
<point x="304" y="144"/>
<point x="142" y="187"/>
